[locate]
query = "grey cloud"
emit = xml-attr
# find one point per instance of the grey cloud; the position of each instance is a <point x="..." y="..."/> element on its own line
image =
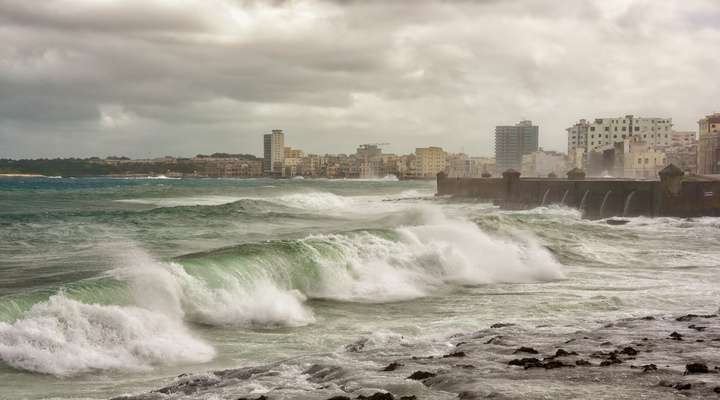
<point x="139" y="76"/>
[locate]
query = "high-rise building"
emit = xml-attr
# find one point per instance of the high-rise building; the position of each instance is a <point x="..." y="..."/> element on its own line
<point x="709" y="145"/>
<point x="512" y="142"/>
<point x="273" y="152"/>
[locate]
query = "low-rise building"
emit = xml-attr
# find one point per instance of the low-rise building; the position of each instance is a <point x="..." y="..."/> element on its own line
<point x="540" y="164"/>
<point x="709" y="145"/>
<point x="429" y="161"/>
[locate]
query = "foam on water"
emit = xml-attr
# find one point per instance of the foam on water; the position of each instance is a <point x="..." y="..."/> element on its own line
<point x="63" y="337"/>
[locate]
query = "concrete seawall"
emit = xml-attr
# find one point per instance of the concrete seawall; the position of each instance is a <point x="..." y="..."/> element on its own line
<point x="672" y="195"/>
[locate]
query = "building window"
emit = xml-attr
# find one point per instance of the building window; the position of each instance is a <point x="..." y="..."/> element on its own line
<point x="624" y="129"/>
<point x="614" y="136"/>
<point x="607" y="129"/>
<point x="592" y="129"/>
<point x="637" y="129"/>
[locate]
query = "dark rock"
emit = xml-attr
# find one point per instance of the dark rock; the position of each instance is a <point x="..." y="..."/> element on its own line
<point x="697" y="328"/>
<point x="617" y="221"/>
<point x="411" y="397"/>
<point x="420" y="375"/>
<point x="356" y="347"/>
<point x="629" y="351"/>
<point x="563" y="353"/>
<point x="500" y="325"/>
<point x="605" y="344"/>
<point x="493" y="340"/>
<point x="262" y="397"/>
<point x="555" y="364"/>
<point x="682" y="386"/>
<point x="717" y="389"/>
<point x="612" y="359"/>
<point x="527" y="362"/>
<point x="676" y="336"/>
<point x="687" y="317"/>
<point x="455" y="354"/>
<point x="648" y="318"/>
<point x="582" y="363"/>
<point x="392" y="366"/>
<point x="696" y="368"/>
<point x="378" y="396"/>
<point x="649" y="367"/>
<point x="339" y="398"/>
<point x="524" y="349"/>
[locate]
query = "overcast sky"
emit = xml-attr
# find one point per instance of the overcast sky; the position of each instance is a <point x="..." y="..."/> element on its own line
<point x="180" y="77"/>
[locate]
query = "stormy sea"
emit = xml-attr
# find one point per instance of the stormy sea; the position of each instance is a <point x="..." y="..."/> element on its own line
<point x="344" y="289"/>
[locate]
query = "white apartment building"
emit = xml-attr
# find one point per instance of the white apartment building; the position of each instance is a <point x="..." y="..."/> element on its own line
<point x="603" y="133"/>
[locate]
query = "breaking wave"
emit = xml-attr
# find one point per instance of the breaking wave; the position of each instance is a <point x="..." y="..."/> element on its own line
<point x="141" y="315"/>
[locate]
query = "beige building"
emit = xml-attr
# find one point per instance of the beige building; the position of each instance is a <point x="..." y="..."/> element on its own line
<point x="709" y="145"/>
<point x="273" y="152"/>
<point x="429" y="161"/>
<point x="540" y="164"/>
<point x="642" y="160"/>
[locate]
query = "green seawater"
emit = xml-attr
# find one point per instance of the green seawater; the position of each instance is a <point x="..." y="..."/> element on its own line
<point x="115" y="286"/>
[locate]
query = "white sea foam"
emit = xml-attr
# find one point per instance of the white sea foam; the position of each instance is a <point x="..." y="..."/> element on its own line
<point x="63" y="337"/>
<point x="427" y="257"/>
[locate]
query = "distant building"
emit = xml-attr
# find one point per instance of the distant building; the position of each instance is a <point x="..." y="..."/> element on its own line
<point x="576" y="147"/>
<point x="429" y="161"/>
<point x="642" y="160"/>
<point x="539" y="164"/>
<point x="683" y="151"/>
<point x="709" y="145"/>
<point x="602" y="134"/>
<point x="512" y="142"/>
<point x="273" y="152"/>
<point x="608" y="131"/>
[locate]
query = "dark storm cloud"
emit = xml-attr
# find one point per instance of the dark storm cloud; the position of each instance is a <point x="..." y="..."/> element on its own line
<point x="155" y="77"/>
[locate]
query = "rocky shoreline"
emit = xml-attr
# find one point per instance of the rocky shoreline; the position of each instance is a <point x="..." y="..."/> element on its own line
<point x="653" y="357"/>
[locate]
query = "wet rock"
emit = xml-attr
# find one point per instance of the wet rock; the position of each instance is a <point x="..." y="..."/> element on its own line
<point x="617" y="221"/>
<point x="676" y="336"/>
<point x="649" y="367"/>
<point x="262" y="397"/>
<point x="648" y="318"/>
<point x="606" y="344"/>
<point x="682" y="386"/>
<point x="356" y="347"/>
<point x="500" y="325"/>
<point x="494" y="340"/>
<point x="583" y="363"/>
<point x="411" y="397"/>
<point x="697" y="328"/>
<point x="378" y="396"/>
<point x="527" y="362"/>
<point x="392" y="366"/>
<point x="717" y="389"/>
<point x="629" y="351"/>
<point x="564" y="353"/>
<point x="612" y="359"/>
<point x="696" y="368"/>
<point x="524" y="349"/>
<point x="339" y="398"/>
<point x="420" y="375"/>
<point x="555" y="364"/>
<point x="455" y="354"/>
<point x="687" y="317"/>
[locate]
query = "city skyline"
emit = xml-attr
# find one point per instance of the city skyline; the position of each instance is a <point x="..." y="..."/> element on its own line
<point x="195" y="77"/>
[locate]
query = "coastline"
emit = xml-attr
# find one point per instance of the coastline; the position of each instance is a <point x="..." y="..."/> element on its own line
<point x="658" y="357"/>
